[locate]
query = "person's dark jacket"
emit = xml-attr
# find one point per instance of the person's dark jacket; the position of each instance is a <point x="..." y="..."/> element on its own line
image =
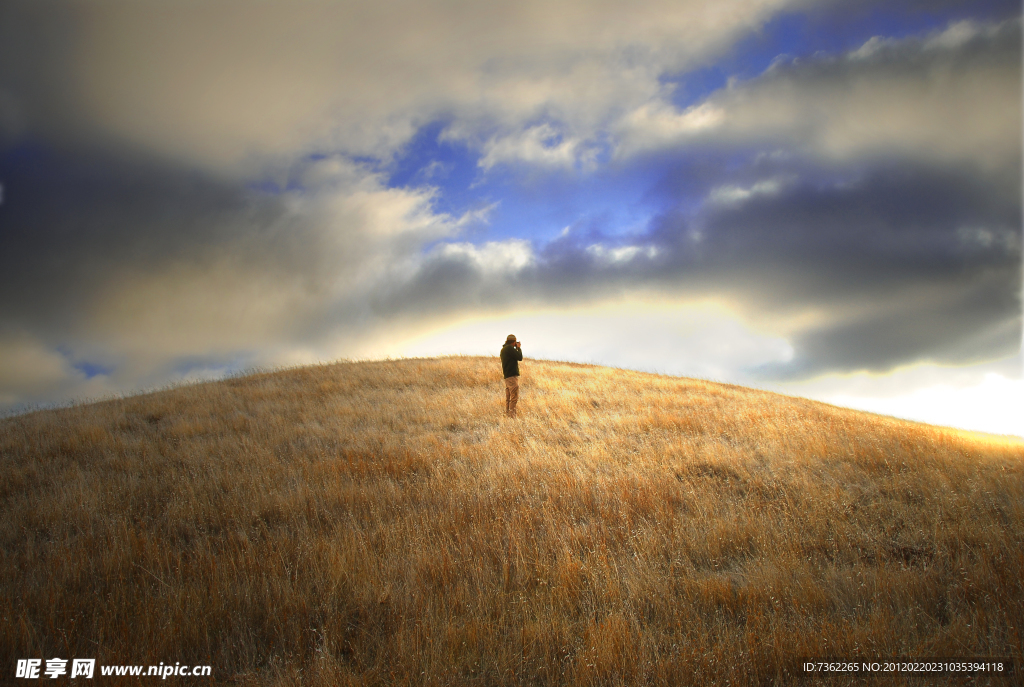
<point x="510" y="357"/>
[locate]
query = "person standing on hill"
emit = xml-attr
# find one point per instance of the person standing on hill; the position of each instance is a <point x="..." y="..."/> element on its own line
<point x="511" y="354"/>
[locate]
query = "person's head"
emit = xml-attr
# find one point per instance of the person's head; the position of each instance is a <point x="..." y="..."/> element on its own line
<point x="510" y="339"/>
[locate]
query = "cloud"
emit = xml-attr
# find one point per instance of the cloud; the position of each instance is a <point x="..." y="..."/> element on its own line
<point x="493" y="257"/>
<point x="888" y="98"/>
<point x="226" y="84"/>
<point x="967" y="322"/>
<point x="889" y="266"/>
<point x="34" y="372"/>
<point x="540" y="145"/>
<point x="879" y="270"/>
<point x="730" y="194"/>
<point x="620" y="255"/>
<point x="28" y="369"/>
<point x="147" y="267"/>
<point x="656" y="124"/>
<point x="197" y="187"/>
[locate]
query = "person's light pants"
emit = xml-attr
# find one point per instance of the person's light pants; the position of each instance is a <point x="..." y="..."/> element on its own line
<point x="511" y="395"/>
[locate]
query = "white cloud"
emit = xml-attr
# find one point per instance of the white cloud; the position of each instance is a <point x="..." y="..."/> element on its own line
<point x="352" y="196"/>
<point x="226" y="83"/>
<point x="888" y="97"/>
<point x="729" y="194"/>
<point x="869" y="49"/>
<point x="540" y="145"/>
<point x="28" y="367"/>
<point x="954" y="36"/>
<point x="657" y="124"/>
<point x="959" y="33"/>
<point x="31" y="371"/>
<point x="491" y="258"/>
<point x="523" y="81"/>
<point x="620" y="255"/>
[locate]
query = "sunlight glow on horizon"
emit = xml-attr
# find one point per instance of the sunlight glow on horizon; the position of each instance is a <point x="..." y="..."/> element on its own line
<point x="706" y="341"/>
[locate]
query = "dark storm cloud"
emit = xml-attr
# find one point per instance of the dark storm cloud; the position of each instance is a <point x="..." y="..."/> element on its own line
<point x="146" y="271"/>
<point x="37" y="91"/>
<point x="975" y="321"/>
<point x="911" y="264"/>
<point x="907" y="222"/>
<point x="72" y="222"/>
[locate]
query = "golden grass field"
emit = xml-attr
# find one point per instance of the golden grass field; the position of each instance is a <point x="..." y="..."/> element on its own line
<point x="381" y="523"/>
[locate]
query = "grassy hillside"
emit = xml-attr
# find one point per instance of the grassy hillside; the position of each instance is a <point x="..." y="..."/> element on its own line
<point x="382" y="523"/>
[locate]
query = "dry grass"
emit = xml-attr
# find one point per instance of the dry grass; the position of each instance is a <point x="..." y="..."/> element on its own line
<point x="381" y="523"/>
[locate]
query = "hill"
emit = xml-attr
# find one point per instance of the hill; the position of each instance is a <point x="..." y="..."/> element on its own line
<point x="382" y="523"/>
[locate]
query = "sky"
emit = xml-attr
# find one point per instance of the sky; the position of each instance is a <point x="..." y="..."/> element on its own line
<point x="817" y="198"/>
